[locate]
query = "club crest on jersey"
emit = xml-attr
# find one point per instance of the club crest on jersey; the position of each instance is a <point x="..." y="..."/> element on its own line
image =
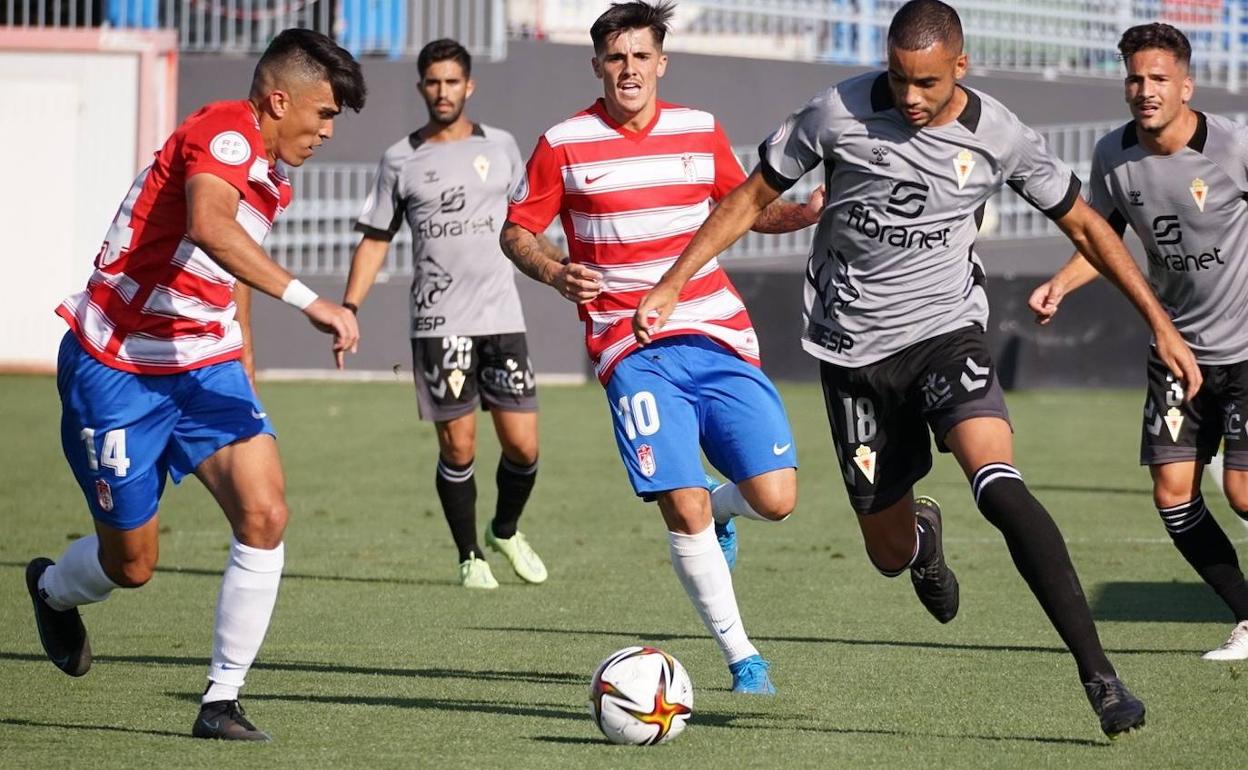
<point x="645" y="458"/>
<point x="522" y="190"/>
<point x="963" y="165"/>
<point x="864" y="458"/>
<point x="1174" y="421"/>
<point x="482" y="165"/>
<point x="456" y="380"/>
<point x="104" y="495"/>
<point x="690" y="170"/>
<point x="1200" y="192"/>
<point x="230" y="147"/>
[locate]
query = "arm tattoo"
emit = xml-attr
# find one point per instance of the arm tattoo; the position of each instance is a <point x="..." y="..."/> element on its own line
<point x="781" y="216"/>
<point x="532" y="254"/>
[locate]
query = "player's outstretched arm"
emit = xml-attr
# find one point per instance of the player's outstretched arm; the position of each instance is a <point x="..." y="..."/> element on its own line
<point x="540" y="260"/>
<point x="1046" y="297"/>
<point x="730" y="219"/>
<point x="783" y="216"/>
<point x="211" y="208"/>
<point x="1096" y="241"/>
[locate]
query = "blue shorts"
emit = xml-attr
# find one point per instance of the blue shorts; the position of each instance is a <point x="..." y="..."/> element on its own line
<point x="123" y="432"/>
<point x="681" y="394"/>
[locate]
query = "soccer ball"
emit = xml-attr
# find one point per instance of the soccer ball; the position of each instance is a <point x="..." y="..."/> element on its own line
<point x="640" y="696"/>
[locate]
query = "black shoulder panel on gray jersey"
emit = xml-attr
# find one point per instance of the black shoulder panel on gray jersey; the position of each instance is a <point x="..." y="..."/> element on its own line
<point x="1200" y="135"/>
<point x="881" y="96"/>
<point x="414" y="139"/>
<point x="973" y="110"/>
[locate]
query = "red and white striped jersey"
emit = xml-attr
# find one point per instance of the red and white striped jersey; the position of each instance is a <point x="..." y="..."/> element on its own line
<point x="157" y="303"/>
<point x="630" y="201"/>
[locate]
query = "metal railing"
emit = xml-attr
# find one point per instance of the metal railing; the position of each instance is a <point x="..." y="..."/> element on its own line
<point x="390" y="27"/>
<point x="1048" y="37"/>
<point x="316" y="235"/>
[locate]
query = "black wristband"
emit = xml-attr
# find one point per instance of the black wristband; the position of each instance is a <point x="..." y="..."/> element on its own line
<point x="354" y="308"/>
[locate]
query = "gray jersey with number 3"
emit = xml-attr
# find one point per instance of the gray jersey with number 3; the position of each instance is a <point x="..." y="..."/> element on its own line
<point x="893" y="260"/>
<point x="1190" y="210"/>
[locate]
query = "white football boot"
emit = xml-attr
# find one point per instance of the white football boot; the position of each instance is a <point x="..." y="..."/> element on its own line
<point x="1234" y="648"/>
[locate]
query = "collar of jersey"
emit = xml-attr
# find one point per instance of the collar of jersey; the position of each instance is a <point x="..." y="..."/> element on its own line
<point x="599" y="108"/>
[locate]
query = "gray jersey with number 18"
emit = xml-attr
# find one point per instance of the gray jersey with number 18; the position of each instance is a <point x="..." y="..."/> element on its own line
<point x="893" y="261"/>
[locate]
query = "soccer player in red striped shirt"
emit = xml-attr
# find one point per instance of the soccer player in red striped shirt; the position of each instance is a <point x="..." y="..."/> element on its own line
<point x="632" y="178"/>
<point x="155" y="372"/>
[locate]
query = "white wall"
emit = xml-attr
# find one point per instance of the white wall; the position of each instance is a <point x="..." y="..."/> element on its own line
<point x="67" y="147"/>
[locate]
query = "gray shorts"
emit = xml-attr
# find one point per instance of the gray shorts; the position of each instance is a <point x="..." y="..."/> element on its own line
<point x="454" y="374"/>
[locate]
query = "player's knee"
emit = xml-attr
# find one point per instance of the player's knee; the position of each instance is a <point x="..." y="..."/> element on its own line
<point x="777" y="504"/>
<point x="131" y="572"/>
<point x="1168" y="493"/>
<point x="459" y="452"/>
<point x="522" y="454"/>
<point x="263" y="524"/>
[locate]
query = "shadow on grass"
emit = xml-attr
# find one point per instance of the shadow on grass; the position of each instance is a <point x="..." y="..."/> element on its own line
<point x="1143" y="490"/>
<point x="530" y="677"/>
<point x="647" y="637"/>
<point x="701" y="718"/>
<point x="216" y="573"/>
<point x="105" y="728"/>
<point x="1166" y="602"/>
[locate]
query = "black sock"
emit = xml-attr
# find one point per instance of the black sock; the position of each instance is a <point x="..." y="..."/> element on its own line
<point x="927" y="543"/>
<point x="1041" y="557"/>
<point x="515" y="482"/>
<point x="1205" y="546"/>
<point x="457" y="489"/>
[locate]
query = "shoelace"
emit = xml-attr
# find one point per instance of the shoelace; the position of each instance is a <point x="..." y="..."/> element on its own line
<point x="1107" y="694"/>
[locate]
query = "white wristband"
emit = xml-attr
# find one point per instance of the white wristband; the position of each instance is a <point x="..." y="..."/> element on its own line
<point x="298" y="295"/>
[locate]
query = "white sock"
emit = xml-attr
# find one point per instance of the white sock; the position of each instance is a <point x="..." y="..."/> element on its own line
<point x="248" y="593"/>
<point x="77" y="577"/>
<point x="727" y="501"/>
<point x="704" y="574"/>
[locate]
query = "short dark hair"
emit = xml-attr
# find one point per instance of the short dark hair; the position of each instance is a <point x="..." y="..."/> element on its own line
<point x="921" y="24"/>
<point x="302" y="52"/>
<point x="1156" y="35"/>
<point x="635" y="15"/>
<point x="443" y="50"/>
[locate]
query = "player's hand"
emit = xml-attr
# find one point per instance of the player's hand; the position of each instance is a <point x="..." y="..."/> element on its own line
<point x="1044" y="301"/>
<point x="655" y="308"/>
<point x="332" y="318"/>
<point x="577" y="283"/>
<point x="1180" y="360"/>
<point x="814" y="204"/>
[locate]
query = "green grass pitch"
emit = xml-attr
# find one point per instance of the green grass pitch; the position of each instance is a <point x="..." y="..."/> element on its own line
<point x="377" y="658"/>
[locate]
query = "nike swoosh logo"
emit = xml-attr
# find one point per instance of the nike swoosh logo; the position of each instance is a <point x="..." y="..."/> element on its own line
<point x="211" y="725"/>
<point x="262" y="415"/>
<point x="61" y="662"/>
<point x="724" y="630"/>
<point x="778" y="450"/>
<point x="591" y="179"/>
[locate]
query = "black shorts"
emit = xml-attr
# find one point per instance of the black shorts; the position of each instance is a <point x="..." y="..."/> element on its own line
<point x="880" y="413"/>
<point x="1178" y="431"/>
<point x="454" y="374"/>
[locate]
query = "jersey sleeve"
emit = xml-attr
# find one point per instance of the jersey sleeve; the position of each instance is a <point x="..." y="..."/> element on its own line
<point x="1099" y="196"/>
<point x="539" y="194"/>
<point x="215" y="145"/>
<point x="794" y="147"/>
<point x="1037" y="175"/>
<point x="382" y="213"/>
<point x="728" y="171"/>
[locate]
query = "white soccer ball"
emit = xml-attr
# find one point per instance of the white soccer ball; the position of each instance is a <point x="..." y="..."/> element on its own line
<point x="640" y="696"/>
